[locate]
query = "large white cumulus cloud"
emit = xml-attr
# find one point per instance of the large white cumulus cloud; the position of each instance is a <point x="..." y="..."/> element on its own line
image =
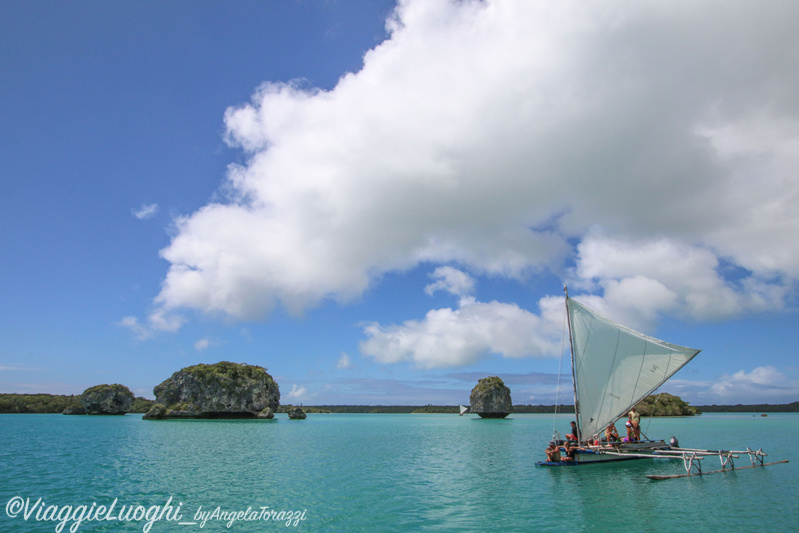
<point x="662" y="137"/>
<point x="451" y="338"/>
<point x="458" y="337"/>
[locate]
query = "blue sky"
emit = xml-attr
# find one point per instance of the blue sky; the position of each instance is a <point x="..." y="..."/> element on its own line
<point x="380" y="204"/>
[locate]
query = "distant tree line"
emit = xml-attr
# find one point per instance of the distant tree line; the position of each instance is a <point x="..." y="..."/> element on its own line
<point x="537" y="409"/>
<point x="655" y="405"/>
<point x="416" y="409"/>
<point x="54" y="403"/>
<point x="757" y="408"/>
<point x="447" y="409"/>
<point x="36" y="403"/>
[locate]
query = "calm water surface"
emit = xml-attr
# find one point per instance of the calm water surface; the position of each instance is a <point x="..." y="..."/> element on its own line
<point x="365" y="472"/>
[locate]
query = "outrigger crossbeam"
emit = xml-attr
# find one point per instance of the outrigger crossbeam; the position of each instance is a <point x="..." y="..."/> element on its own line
<point x="692" y="458"/>
<point x="693" y="466"/>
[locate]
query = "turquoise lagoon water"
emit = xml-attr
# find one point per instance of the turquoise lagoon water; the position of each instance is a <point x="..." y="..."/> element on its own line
<point x="361" y="472"/>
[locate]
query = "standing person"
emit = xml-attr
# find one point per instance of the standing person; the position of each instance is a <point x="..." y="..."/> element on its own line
<point x="635" y="420"/>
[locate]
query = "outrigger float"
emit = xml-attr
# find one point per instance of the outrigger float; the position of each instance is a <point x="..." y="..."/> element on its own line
<point x="614" y="368"/>
<point x="692" y="458"/>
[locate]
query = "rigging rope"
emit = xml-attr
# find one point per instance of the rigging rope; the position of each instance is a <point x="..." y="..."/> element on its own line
<point x="654" y="407"/>
<point x="560" y="367"/>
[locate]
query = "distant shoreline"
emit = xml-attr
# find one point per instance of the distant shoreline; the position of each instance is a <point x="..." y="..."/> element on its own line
<point x="754" y="408"/>
<point x="532" y="409"/>
<point x="11" y="403"/>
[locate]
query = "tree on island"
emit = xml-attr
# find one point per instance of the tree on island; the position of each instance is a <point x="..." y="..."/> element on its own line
<point x="665" y="404"/>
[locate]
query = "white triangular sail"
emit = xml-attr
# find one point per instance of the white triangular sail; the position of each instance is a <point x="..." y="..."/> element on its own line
<point x="463" y="409"/>
<point x="615" y="367"/>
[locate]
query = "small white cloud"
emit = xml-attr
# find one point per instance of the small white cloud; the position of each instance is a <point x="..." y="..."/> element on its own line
<point x="162" y="320"/>
<point x="344" y="361"/>
<point x="764" y="384"/>
<point x="760" y="378"/>
<point x="451" y="280"/>
<point x="201" y="345"/>
<point x="132" y="323"/>
<point x="645" y="278"/>
<point x="297" y="394"/>
<point x="159" y="320"/>
<point x="146" y="211"/>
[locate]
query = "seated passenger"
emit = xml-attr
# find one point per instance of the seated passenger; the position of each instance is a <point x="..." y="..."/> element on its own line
<point x="570" y="451"/>
<point x="611" y="435"/>
<point x="630" y="433"/>
<point x="573" y="434"/>
<point x="553" y="452"/>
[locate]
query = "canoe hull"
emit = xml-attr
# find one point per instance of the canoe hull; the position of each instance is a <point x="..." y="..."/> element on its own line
<point x="583" y="457"/>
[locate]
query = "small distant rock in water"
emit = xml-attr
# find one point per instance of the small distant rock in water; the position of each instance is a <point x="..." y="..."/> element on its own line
<point x="490" y="398"/>
<point x="106" y="400"/>
<point x="221" y="390"/>
<point x="75" y="410"/>
<point x="156" y="412"/>
<point x="267" y="413"/>
<point x="297" y="414"/>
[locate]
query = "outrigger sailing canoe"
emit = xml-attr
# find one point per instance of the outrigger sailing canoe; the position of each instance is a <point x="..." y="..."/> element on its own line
<point x="614" y="368"/>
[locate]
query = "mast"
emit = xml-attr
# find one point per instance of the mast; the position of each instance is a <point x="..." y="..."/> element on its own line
<point x="574" y="376"/>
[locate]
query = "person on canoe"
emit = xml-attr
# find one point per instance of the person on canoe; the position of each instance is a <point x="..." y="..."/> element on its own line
<point x="570" y="451"/>
<point x="635" y="420"/>
<point x="573" y="434"/>
<point x="611" y="435"/>
<point x="553" y="452"/>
